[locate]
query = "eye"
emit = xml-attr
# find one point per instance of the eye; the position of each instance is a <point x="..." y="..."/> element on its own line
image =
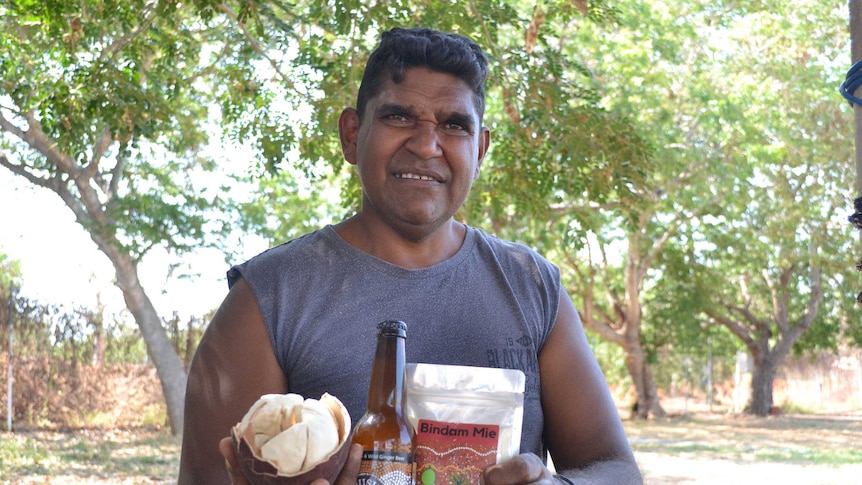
<point x="395" y="119"/>
<point x="454" y="129"/>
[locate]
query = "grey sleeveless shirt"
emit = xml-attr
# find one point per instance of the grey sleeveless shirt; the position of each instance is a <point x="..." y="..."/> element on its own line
<point x="493" y="304"/>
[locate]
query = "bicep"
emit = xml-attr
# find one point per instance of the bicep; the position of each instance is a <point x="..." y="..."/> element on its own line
<point x="233" y="366"/>
<point x="582" y="424"/>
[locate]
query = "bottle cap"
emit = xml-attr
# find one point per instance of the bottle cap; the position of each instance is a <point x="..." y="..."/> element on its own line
<point x="395" y="328"/>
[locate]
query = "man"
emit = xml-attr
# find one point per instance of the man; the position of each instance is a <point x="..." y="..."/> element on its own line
<point x="301" y="317"/>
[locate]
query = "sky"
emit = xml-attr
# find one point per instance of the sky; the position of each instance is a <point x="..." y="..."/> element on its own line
<point x="60" y="264"/>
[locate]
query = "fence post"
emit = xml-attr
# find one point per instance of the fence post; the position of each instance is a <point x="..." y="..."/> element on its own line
<point x="709" y="396"/>
<point x="859" y="375"/>
<point x="10" y="318"/>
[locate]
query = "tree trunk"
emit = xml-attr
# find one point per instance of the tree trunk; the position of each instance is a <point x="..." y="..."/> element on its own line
<point x="98" y="339"/>
<point x="636" y="361"/>
<point x="169" y="367"/>
<point x="766" y="363"/>
<point x="647" y="396"/>
<point x="762" y="379"/>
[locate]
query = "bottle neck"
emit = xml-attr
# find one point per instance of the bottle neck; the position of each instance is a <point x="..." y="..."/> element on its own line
<point x="386" y="389"/>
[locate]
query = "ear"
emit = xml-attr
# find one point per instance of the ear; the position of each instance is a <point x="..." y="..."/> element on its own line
<point x="348" y="129"/>
<point x="484" y="144"/>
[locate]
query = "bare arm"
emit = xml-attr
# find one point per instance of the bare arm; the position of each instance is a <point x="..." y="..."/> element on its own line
<point x="233" y="366"/>
<point x="583" y="431"/>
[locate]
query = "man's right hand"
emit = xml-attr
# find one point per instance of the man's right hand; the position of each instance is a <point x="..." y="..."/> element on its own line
<point x="349" y="470"/>
<point x="234" y="471"/>
<point x="237" y="477"/>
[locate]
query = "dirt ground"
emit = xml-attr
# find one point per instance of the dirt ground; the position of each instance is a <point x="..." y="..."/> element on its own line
<point x="694" y="448"/>
<point x="723" y="449"/>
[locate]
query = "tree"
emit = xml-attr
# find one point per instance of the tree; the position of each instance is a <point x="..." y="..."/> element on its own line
<point x="776" y="243"/>
<point x="709" y="99"/>
<point x="647" y="69"/>
<point x="104" y="103"/>
<point x="556" y="149"/>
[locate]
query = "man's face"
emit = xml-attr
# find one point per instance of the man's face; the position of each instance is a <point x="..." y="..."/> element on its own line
<point x="418" y="150"/>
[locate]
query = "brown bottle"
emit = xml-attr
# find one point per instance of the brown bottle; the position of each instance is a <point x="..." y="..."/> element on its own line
<point x="383" y="431"/>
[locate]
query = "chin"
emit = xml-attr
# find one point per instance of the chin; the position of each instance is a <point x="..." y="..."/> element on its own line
<point x="417" y="230"/>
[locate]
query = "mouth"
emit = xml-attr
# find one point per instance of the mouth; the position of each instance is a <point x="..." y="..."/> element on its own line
<point x="416" y="176"/>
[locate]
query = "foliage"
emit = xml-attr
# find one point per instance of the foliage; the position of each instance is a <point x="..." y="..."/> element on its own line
<point x="784" y="210"/>
<point x="118" y="98"/>
<point x="80" y="335"/>
<point x="72" y="366"/>
<point x="10" y="274"/>
<point x="536" y="92"/>
<point x="702" y="141"/>
<point x="109" y="105"/>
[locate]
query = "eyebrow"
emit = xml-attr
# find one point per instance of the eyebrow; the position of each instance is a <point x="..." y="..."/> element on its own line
<point x="456" y="117"/>
<point x="394" y="108"/>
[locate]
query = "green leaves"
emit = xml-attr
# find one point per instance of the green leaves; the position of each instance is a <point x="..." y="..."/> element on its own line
<point x="620" y="125"/>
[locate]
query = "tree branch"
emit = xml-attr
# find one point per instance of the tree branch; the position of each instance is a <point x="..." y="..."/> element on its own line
<point x="738" y="329"/>
<point x="22" y="171"/>
<point x="659" y="243"/>
<point x="37" y="139"/>
<point x="816" y="295"/>
<point x="590" y="310"/>
<point x="814" y="299"/>
<point x="256" y="45"/>
<point x="99" y="150"/>
<point x="613" y="298"/>
<point x="564" y="206"/>
<point x="116" y="174"/>
<point x="149" y="16"/>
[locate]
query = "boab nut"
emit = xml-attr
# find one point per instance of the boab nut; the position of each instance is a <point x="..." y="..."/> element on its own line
<point x="285" y="439"/>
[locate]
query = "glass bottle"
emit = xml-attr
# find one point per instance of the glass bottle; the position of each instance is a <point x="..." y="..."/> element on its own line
<point x="383" y="431"/>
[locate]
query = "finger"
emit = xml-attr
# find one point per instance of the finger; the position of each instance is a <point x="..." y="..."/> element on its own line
<point x="524" y="468"/>
<point x="351" y="467"/>
<point x="234" y="471"/>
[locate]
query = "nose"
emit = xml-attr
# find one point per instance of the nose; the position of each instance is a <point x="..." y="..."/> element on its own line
<point x="424" y="140"/>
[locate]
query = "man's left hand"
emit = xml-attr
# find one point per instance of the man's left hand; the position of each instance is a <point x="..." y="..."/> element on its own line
<point x="522" y="469"/>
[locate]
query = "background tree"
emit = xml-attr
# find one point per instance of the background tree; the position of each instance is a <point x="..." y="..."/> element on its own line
<point x="646" y="66"/>
<point x="632" y="146"/>
<point x="555" y="146"/>
<point x="781" y="243"/>
<point x="727" y="94"/>
<point x="105" y="104"/>
<point x="113" y="117"/>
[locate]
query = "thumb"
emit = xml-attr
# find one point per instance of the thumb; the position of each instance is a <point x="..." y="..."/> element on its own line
<point x="234" y="471"/>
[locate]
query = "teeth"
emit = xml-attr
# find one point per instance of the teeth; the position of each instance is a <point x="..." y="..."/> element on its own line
<point x="414" y="176"/>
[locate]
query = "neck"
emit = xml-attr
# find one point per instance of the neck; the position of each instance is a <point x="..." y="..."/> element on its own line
<point x="405" y="250"/>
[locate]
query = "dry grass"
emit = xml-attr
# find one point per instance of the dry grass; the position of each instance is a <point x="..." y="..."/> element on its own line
<point x="693" y="449"/>
<point x="713" y="449"/>
<point x="139" y="456"/>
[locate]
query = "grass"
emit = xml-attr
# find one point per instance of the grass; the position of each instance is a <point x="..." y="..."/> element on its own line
<point x="89" y="456"/>
<point x="767" y="454"/>
<point x="804" y="440"/>
<point x="151" y="456"/>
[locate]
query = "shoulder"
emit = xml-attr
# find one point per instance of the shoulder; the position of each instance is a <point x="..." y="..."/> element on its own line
<point x="282" y="258"/>
<point x="516" y="256"/>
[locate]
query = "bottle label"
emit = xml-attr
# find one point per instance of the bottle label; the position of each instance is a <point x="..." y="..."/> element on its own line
<point x="385" y="468"/>
<point x="454" y="453"/>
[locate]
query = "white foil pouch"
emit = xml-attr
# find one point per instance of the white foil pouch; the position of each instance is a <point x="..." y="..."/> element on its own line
<point x="466" y="419"/>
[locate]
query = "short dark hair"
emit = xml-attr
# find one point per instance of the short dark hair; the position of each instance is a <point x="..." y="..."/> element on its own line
<point x="401" y="49"/>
